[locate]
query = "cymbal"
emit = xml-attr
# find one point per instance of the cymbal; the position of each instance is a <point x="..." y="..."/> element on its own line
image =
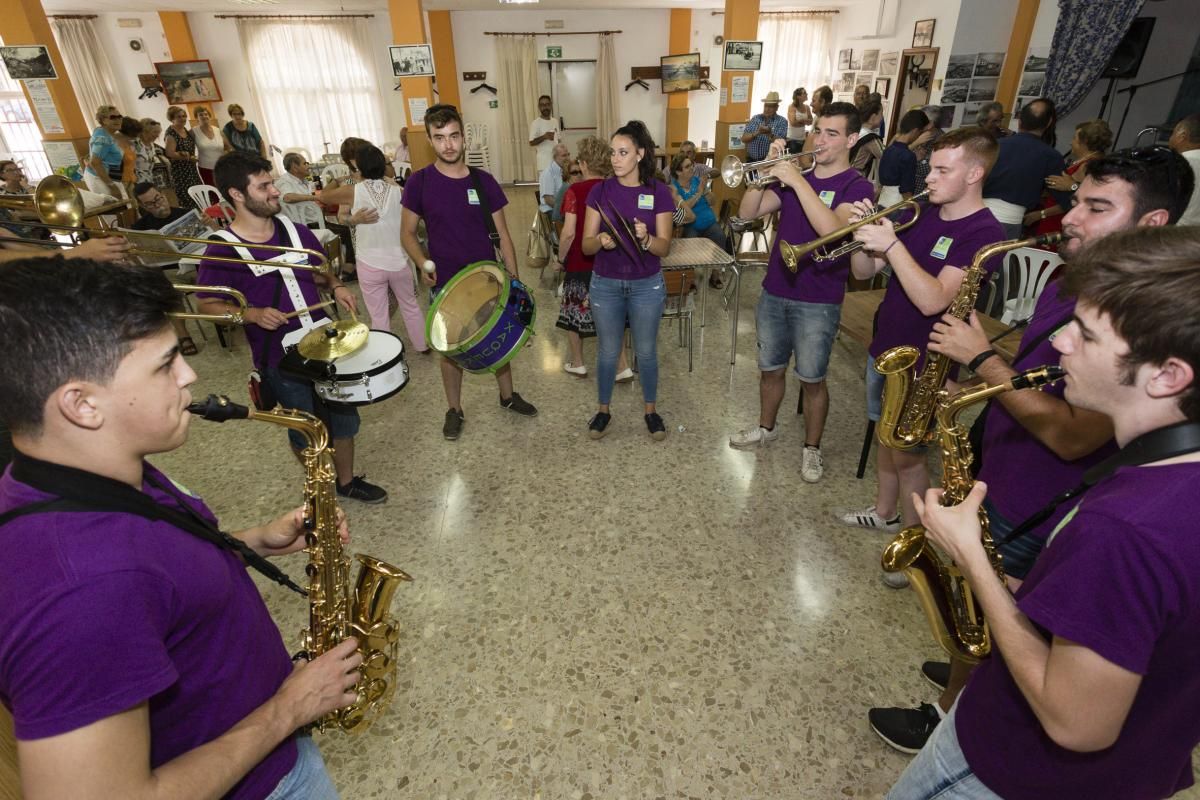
<point x="334" y="340"/>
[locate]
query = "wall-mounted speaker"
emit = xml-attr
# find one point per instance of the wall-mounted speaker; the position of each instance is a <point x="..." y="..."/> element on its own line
<point x="1127" y="58"/>
<point x="136" y="45"/>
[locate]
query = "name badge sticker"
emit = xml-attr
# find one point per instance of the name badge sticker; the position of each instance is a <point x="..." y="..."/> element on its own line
<point x="472" y="197"/>
<point x="827" y="198"/>
<point x="942" y="247"/>
<point x="646" y="201"/>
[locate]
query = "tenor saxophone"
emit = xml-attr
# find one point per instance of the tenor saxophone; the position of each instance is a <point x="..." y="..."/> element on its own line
<point x="908" y="403"/>
<point x="950" y="607"/>
<point x="336" y="609"/>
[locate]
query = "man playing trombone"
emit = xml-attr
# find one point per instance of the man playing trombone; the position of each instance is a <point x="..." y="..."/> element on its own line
<point x="799" y="310"/>
<point x="927" y="262"/>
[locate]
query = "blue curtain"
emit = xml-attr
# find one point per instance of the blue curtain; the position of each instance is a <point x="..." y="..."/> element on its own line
<point x="1085" y="38"/>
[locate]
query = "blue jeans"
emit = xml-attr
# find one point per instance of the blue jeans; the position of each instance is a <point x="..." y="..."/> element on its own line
<point x="308" y="780"/>
<point x="342" y="421"/>
<point x="642" y="301"/>
<point x="875" y="383"/>
<point x="793" y="326"/>
<point x="940" y="770"/>
<point x="1018" y="554"/>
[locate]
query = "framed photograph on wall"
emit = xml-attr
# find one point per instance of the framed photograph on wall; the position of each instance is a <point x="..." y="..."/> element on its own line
<point x="844" y="59"/>
<point x="28" y="62"/>
<point x="870" y="60"/>
<point x="883" y="86"/>
<point x="680" y="73"/>
<point x="411" y="60"/>
<point x="740" y="55"/>
<point x="188" y="81"/>
<point x="923" y="32"/>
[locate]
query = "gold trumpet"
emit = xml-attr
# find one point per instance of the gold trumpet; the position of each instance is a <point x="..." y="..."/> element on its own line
<point x="734" y="171"/>
<point x="793" y="253"/>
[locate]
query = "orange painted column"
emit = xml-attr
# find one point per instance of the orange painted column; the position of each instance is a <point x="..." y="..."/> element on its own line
<point x="441" y="36"/>
<point x="408" y="27"/>
<point x="678" y="43"/>
<point x="741" y="23"/>
<point x="25" y="22"/>
<point x="1018" y="48"/>
<point x="183" y="48"/>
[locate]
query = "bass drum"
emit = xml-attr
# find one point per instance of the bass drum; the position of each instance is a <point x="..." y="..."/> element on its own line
<point x="481" y="318"/>
<point x="374" y="372"/>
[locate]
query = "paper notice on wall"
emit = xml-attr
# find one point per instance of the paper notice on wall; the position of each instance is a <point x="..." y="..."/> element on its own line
<point x="43" y="106"/>
<point x="741" y="88"/>
<point x="63" y="159"/>
<point x="724" y="96"/>
<point x="735" y="136"/>
<point x="417" y="106"/>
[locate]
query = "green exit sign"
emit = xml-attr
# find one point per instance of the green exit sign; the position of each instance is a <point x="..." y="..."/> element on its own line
<point x="493" y="103"/>
<point x="553" y="52"/>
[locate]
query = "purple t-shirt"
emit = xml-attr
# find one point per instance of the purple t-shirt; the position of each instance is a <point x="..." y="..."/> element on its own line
<point x="1122" y="578"/>
<point x="454" y="220"/>
<point x="812" y="282"/>
<point x="933" y="243"/>
<point x="630" y="203"/>
<point x="262" y="292"/>
<point x="100" y="612"/>
<point x="1022" y="474"/>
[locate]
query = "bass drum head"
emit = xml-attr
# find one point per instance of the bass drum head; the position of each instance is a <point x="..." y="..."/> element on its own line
<point x="467" y="305"/>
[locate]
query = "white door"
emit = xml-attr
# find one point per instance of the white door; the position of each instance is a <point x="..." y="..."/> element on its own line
<point x="572" y="87"/>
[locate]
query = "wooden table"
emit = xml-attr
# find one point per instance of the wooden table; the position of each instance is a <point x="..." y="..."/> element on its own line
<point x="858" y="313"/>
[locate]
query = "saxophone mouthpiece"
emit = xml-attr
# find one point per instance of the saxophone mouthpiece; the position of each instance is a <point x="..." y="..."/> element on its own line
<point x="1040" y="376"/>
<point x="218" y="408"/>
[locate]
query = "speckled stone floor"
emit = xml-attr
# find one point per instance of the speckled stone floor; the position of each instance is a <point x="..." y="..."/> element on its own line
<point x="612" y="619"/>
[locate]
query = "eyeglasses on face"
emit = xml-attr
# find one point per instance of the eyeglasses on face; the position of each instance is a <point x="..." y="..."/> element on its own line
<point x="114" y="116"/>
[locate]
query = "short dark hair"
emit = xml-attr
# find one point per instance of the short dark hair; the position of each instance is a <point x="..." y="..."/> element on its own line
<point x="233" y="171"/>
<point x="846" y="110"/>
<point x="130" y="127"/>
<point x="1037" y="115"/>
<point x="143" y="187"/>
<point x="1160" y="177"/>
<point x="978" y="144"/>
<point x="1190" y="125"/>
<point x="63" y="321"/>
<point x="869" y="109"/>
<point x="913" y="121"/>
<point x="290" y="159"/>
<point x="441" y="115"/>
<point x="825" y="93"/>
<point x="371" y="162"/>
<point x="639" y="134"/>
<point x="349" y="150"/>
<point x="1144" y="280"/>
<point x="542" y="97"/>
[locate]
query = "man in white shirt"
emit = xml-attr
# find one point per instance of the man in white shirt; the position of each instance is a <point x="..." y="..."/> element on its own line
<point x="543" y="133"/>
<point x="299" y="204"/>
<point x="1185" y="140"/>
<point x="551" y="178"/>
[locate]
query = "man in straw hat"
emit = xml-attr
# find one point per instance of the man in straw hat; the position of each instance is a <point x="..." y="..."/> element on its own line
<point x="764" y="128"/>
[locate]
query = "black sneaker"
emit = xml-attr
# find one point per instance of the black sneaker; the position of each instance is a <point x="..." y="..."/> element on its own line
<point x="453" y="426"/>
<point x="358" y="489"/>
<point x="655" y="425"/>
<point x="517" y="403"/>
<point x="599" y="425"/>
<point x="906" y="729"/>
<point x="937" y="673"/>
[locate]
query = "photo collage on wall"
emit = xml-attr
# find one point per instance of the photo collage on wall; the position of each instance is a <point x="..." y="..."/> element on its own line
<point x="970" y="82"/>
<point x="863" y="68"/>
<point x="1033" y="78"/>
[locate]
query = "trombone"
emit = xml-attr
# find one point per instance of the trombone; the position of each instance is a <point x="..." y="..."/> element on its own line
<point x="237" y="317"/>
<point x="819" y="248"/>
<point x="59" y="206"/>
<point x="734" y="171"/>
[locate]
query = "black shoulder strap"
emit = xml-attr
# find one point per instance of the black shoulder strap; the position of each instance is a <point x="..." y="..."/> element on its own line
<point x="486" y="207"/>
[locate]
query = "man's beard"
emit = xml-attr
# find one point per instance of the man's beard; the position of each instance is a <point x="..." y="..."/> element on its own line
<point x="455" y="160"/>
<point x="262" y="208"/>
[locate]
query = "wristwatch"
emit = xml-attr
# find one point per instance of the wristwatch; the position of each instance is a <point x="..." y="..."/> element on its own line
<point x="1074" y="187"/>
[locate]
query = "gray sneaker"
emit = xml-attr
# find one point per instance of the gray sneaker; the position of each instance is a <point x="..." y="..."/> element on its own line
<point x="453" y="426"/>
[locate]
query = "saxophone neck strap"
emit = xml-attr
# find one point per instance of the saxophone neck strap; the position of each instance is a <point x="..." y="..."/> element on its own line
<point x="1172" y="441"/>
<point x="81" y="491"/>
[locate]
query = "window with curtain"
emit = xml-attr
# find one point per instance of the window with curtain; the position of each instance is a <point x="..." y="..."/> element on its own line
<point x="84" y="58"/>
<point x="795" y="53"/>
<point x="313" y="80"/>
<point x="20" y="139"/>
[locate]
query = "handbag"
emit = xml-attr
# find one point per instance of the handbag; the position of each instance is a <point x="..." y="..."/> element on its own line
<point x="538" y="251"/>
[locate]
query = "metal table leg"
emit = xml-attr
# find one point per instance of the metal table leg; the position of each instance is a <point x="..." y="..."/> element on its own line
<point x="737" y="304"/>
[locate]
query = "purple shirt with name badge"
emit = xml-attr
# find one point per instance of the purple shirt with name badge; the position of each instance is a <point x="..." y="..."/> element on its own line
<point x="934" y="244"/>
<point x="266" y="291"/>
<point x="1021" y="473"/>
<point x="629" y="203"/>
<point x="454" y="217"/>
<point x="1120" y="577"/>
<point x="812" y="282"/>
<point x="102" y="611"/>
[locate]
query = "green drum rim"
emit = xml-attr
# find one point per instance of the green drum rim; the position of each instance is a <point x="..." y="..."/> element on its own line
<point x="436" y="306"/>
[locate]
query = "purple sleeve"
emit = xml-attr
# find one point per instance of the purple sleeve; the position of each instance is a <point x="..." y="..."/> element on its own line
<point x="96" y="650"/>
<point x="859" y="189"/>
<point x="963" y="254"/>
<point x="413" y="190"/>
<point x="1107" y="590"/>
<point x="495" y="194"/>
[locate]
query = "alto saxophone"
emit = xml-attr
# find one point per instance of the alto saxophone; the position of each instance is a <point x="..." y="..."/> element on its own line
<point x="954" y="616"/>
<point x="908" y="404"/>
<point x="336" y="610"/>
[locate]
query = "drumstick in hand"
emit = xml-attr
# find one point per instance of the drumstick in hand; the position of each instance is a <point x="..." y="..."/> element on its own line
<point x="313" y="307"/>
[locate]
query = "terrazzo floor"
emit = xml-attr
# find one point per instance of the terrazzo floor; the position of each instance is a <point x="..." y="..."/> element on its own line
<point x="612" y="619"/>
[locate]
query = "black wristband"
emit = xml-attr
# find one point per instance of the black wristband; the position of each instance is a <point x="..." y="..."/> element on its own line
<point x="978" y="360"/>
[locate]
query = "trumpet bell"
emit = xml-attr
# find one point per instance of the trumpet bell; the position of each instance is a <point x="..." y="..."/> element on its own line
<point x="732" y="170"/>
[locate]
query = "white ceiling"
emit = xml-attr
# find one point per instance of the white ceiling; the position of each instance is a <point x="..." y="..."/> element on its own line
<point x="340" y="6"/>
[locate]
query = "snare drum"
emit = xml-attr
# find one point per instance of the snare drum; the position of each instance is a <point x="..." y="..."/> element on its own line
<point x="481" y="318"/>
<point x="374" y="372"/>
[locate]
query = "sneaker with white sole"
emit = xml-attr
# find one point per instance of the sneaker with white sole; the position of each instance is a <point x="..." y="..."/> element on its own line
<point x="906" y="729"/>
<point x="869" y="518"/>
<point x="577" y="370"/>
<point x="758" y="436"/>
<point x="813" y="465"/>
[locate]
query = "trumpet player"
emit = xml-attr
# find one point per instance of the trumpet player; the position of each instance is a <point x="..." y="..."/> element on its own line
<point x="798" y="311"/>
<point x="927" y="262"/>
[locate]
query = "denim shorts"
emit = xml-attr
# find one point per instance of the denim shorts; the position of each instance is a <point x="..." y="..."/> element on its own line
<point x="1018" y="554"/>
<point x="342" y="421"/>
<point x="940" y="771"/>
<point x="787" y="327"/>
<point x="308" y="780"/>
<point x="875" y="383"/>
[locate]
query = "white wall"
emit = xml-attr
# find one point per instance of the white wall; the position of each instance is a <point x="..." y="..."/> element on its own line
<point x="127" y="63"/>
<point x="704" y="106"/>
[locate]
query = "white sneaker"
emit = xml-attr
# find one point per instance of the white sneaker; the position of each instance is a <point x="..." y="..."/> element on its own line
<point x="813" y="466"/>
<point x="625" y="375"/>
<point x="758" y="436"/>
<point x="869" y="518"/>
<point x="580" y="371"/>
<point x="895" y="580"/>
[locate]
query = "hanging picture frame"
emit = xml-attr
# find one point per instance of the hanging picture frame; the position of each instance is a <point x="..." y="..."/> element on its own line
<point x="923" y="32"/>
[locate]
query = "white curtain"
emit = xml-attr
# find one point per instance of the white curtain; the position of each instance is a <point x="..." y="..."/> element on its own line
<point x="88" y="66"/>
<point x="313" y="80"/>
<point x="607" y="109"/>
<point x="795" y="53"/>
<point x="517" y="87"/>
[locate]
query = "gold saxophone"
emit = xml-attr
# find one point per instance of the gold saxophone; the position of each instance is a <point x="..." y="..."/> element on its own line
<point x="908" y="404"/>
<point x="336" y="610"/>
<point x="954" y="616"/>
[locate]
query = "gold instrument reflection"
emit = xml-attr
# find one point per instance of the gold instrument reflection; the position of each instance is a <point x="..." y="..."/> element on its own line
<point x="793" y="253"/>
<point x="734" y="170"/>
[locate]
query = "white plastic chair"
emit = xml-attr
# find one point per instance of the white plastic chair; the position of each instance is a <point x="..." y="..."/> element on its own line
<point x="205" y="196"/>
<point x="1029" y="269"/>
